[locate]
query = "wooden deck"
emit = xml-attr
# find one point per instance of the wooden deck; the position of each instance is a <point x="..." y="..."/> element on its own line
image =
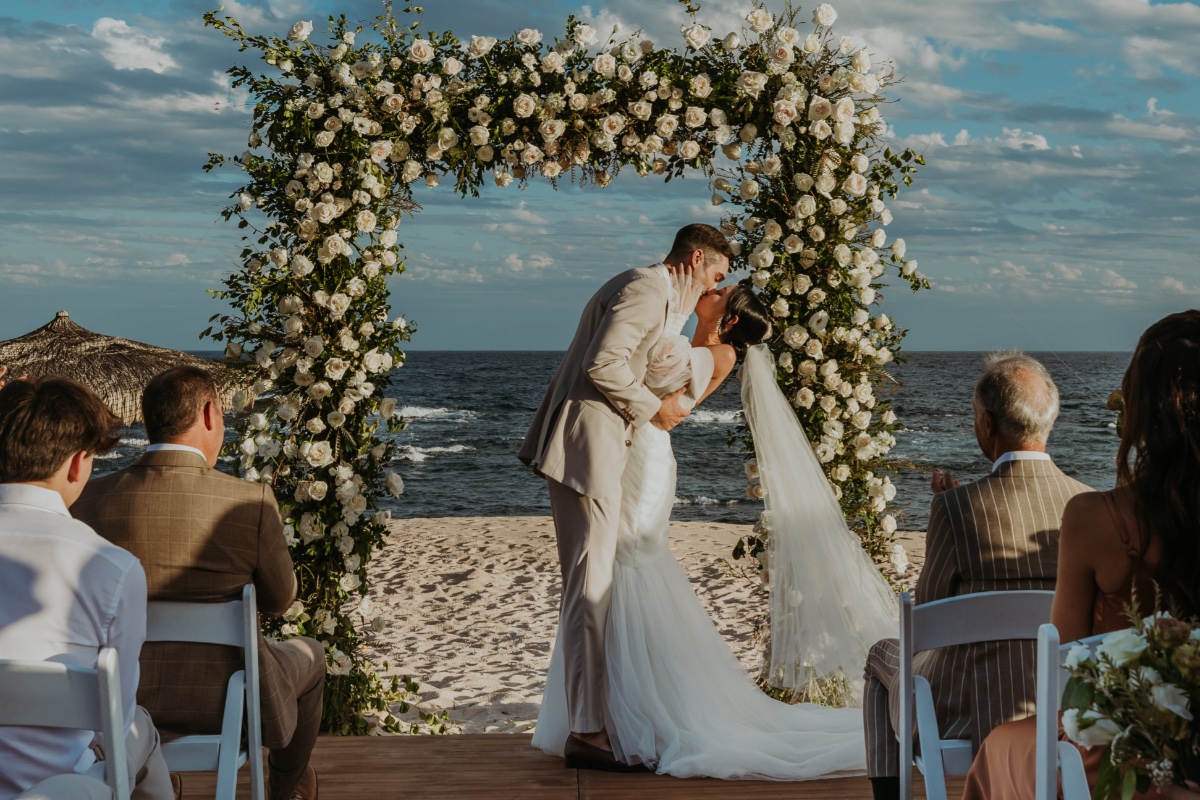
<point x="506" y="766"/>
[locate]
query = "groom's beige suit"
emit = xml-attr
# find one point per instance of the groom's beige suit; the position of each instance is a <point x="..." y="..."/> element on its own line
<point x="579" y="441"/>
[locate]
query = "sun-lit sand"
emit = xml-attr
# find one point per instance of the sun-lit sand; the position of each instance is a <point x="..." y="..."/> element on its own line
<point x="472" y="605"/>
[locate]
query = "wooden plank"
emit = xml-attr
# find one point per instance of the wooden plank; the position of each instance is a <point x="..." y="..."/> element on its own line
<point x="504" y="766"/>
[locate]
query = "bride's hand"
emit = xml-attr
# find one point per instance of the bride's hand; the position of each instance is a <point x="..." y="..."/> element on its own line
<point x="687" y="289"/>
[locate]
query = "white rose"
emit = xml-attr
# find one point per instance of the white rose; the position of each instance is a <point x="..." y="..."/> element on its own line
<point x="336" y="419"/>
<point x="818" y="322"/>
<point x="301" y="265"/>
<point x="452" y="66"/>
<point x="481" y="45"/>
<point x="335" y="368"/>
<point x="730" y="43"/>
<point x="1122" y="647"/>
<point x="806" y="206"/>
<point x="320" y="454"/>
<point x="824" y="15"/>
<point x="760" y="20"/>
<point x="855" y="184"/>
<point x="899" y="248"/>
<point x="701" y="86"/>
<point x="861" y="61"/>
<point x="317" y="489"/>
<point x="365" y="221"/>
<point x="843" y="110"/>
<point x="804" y="398"/>
<point x="783" y="55"/>
<point x="300" y="31"/>
<point x="861" y="420"/>
<point x="447" y="138"/>
<point x="394" y="484"/>
<point x="313" y="346"/>
<point x="339" y="304"/>
<point x="819" y="108"/>
<point x="421" y="51"/>
<point x="748" y="189"/>
<point x="843" y="132"/>
<point x="785" y="112"/>
<point x="584" y="35"/>
<point x="529" y="36"/>
<point x="1088" y="728"/>
<point x="524" y="105"/>
<point x="696" y="37"/>
<point x="689" y="150"/>
<point x="752" y="83"/>
<point x="780" y="307"/>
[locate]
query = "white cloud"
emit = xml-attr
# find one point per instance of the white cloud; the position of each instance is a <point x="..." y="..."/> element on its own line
<point x="1017" y="139"/>
<point x="129" y="48"/>
<point x="1176" y="286"/>
<point x="1116" y="282"/>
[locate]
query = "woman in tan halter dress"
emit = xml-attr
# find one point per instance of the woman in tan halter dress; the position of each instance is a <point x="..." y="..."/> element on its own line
<point x="1116" y="546"/>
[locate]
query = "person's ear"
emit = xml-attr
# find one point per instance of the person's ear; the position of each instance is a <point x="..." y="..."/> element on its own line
<point x="211" y="415"/>
<point x="731" y="322"/>
<point x="988" y="423"/>
<point x="698" y="257"/>
<point x="78" y="470"/>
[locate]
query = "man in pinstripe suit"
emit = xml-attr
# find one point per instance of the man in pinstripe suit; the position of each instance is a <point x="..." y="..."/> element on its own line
<point x="998" y="533"/>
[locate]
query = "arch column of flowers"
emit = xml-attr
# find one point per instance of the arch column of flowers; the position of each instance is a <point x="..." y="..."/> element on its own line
<point x="785" y="125"/>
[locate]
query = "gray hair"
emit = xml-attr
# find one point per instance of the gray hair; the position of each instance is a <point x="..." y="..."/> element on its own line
<point x="1019" y="394"/>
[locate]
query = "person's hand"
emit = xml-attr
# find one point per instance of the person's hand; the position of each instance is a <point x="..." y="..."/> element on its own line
<point x="942" y="481"/>
<point x="670" y="413"/>
<point x="687" y="286"/>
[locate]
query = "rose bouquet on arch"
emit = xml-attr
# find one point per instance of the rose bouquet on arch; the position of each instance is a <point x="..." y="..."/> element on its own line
<point x="1137" y="695"/>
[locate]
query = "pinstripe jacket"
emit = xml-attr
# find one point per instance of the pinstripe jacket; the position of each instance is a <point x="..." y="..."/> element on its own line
<point x="998" y="533"/>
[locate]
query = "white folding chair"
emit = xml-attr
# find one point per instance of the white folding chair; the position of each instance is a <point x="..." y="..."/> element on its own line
<point x="1055" y="757"/>
<point x="47" y="694"/>
<point x="966" y="619"/>
<point x="234" y="624"/>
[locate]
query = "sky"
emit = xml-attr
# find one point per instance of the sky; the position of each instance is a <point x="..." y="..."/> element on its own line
<point x="1057" y="211"/>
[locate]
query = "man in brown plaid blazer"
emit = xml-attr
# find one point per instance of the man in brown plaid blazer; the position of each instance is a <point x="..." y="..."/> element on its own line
<point x="998" y="533"/>
<point x="201" y="536"/>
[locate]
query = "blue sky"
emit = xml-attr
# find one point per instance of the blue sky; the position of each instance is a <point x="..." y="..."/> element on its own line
<point x="1058" y="210"/>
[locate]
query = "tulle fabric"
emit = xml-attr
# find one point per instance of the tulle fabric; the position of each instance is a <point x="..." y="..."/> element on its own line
<point x="678" y="699"/>
<point x="829" y="603"/>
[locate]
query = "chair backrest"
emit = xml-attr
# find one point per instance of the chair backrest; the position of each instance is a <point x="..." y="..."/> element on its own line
<point x="48" y="694"/>
<point x="233" y="623"/>
<point x="1052" y="677"/>
<point x="979" y="617"/>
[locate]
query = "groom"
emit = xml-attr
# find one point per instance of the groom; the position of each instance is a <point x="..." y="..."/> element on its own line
<point x="579" y="441"/>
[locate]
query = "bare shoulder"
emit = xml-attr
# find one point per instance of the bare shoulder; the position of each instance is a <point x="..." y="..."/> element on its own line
<point x="1086" y="511"/>
<point x="724" y="359"/>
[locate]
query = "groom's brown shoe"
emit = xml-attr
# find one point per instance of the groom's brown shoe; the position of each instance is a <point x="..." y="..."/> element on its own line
<point x="581" y="755"/>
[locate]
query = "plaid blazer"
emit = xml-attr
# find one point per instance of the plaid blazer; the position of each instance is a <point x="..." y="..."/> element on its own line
<point x="201" y="536"/>
<point x="998" y="533"/>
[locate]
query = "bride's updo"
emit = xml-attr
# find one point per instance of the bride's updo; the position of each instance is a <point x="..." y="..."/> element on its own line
<point x="752" y="324"/>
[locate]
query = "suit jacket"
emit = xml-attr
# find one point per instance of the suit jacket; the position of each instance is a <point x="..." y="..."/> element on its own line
<point x="201" y="536"/>
<point x="580" y="435"/>
<point x="998" y="533"/>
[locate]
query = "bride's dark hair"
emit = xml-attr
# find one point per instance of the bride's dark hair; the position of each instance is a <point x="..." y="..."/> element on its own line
<point x="753" y="323"/>
<point x="1159" y="455"/>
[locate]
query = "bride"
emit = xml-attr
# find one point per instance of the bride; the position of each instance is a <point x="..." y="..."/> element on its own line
<point x="678" y="700"/>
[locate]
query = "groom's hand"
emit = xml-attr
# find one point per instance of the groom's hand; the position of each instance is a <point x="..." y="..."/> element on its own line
<point x="670" y="413"/>
<point x="942" y="481"/>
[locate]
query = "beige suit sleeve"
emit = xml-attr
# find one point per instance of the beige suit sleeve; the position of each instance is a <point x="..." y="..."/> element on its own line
<point x="940" y="575"/>
<point x="640" y="307"/>
<point x="274" y="575"/>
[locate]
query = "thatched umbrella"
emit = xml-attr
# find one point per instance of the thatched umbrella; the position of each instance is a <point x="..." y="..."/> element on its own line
<point x="115" y="369"/>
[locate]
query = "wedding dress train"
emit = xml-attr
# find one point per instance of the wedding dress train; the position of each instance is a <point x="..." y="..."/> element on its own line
<point x="678" y="699"/>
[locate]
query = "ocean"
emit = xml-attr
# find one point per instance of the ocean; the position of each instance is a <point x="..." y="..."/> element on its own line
<point x="468" y="413"/>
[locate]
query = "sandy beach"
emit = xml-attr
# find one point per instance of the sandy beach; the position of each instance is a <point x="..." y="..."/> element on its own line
<point x="472" y="605"/>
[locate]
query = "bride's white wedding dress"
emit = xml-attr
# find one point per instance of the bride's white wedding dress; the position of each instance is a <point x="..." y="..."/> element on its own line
<point x="678" y="699"/>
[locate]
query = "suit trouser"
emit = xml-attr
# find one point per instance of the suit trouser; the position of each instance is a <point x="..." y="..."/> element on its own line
<point x="303" y="661"/>
<point x="586" y="529"/>
<point x="148" y="775"/>
<point x="881" y="709"/>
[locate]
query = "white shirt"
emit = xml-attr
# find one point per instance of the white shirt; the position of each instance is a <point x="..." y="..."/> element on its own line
<point x="64" y="593"/>
<point x="1020" y="455"/>
<point x="179" y="447"/>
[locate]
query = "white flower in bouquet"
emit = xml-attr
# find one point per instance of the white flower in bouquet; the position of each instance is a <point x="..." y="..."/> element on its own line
<point x="1088" y="728"/>
<point x="861" y="62"/>
<point x="1171" y="698"/>
<point x="357" y="504"/>
<point x="336" y="419"/>
<point x="780" y="307"/>
<point x="339" y="663"/>
<point x="421" y="51"/>
<point x="819" y="108"/>
<point x="804" y="398"/>
<point x="824" y="453"/>
<point x="861" y="419"/>
<point x="394" y="484"/>
<point x="855" y="184"/>
<point x="689" y="150"/>
<point x="843" y="133"/>
<point x="452" y="66"/>
<point x="782" y="55"/>
<point x="819" y="321"/>
<point x="825" y="15"/>
<point x="317" y="489"/>
<point x="315" y="425"/>
<point x="755" y="490"/>
<point x="335" y="368"/>
<point x="481" y="45"/>
<point x="760" y="20"/>
<point x="339" y="304"/>
<point x="1122" y="647"/>
<point x="319" y="390"/>
<point x="584" y="35"/>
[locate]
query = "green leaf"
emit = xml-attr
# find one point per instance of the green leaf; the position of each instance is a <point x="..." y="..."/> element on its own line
<point x="1129" y="785"/>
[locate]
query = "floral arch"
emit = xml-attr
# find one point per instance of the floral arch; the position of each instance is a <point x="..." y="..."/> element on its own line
<point x="785" y="126"/>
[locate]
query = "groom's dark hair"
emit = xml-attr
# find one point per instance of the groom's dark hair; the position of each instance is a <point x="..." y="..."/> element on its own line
<point x="699" y="236"/>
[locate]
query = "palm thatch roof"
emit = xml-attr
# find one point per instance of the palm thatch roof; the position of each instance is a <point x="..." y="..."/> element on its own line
<point x="115" y="369"/>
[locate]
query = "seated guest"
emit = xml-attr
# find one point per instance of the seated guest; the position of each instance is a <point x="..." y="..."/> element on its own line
<point x="202" y="535"/>
<point x="65" y="593"/>
<point x="1117" y="545"/>
<point x="998" y="533"/>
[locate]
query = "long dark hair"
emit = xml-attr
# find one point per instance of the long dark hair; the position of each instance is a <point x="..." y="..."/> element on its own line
<point x="1159" y="456"/>
<point x="753" y="323"/>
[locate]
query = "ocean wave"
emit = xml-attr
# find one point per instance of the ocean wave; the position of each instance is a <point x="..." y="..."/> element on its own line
<point x="124" y="444"/>
<point x="706" y="417"/>
<point x="697" y="500"/>
<point x="416" y="455"/>
<point x="441" y="414"/>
